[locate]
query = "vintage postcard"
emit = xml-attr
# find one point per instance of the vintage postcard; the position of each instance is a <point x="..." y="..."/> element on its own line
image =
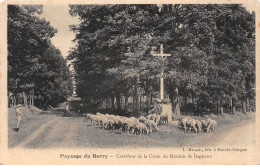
<point x="129" y="82"/>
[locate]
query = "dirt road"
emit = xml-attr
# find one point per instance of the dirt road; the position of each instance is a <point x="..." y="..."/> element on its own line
<point x="51" y="129"/>
<point x="244" y="134"/>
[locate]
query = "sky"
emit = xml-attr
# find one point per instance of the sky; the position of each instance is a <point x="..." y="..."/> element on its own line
<point x="59" y="18"/>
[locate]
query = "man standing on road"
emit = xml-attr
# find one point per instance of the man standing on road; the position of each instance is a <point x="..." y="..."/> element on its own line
<point x="18" y="113"/>
<point x="67" y="109"/>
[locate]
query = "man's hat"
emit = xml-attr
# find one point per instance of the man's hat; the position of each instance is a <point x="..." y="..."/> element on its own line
<point x="19" y="105"/>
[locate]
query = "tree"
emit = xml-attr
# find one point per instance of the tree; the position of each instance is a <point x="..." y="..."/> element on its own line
<point x="32" y="59"/>
<point x="212" y="48"/>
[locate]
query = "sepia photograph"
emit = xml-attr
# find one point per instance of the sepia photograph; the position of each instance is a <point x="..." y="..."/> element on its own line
<point x="130" y="76"/>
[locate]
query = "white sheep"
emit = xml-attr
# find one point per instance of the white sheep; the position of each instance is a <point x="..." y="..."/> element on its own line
<point x="191" y="124"/>
<point x="88" y="116"/>
<point x="153" y="117"/>
<point x="184" y="123"/>
<point x="95" y="120"/>
<point x="111" y="123"/>
<point x="158" y="119"/>
<point x="130" y="124"/>
<point x="104" y="122"/>
<point x="149" y="117"/>
<point x="142" y="119"/>
<point x="212" y="124"/>
<point x="164" y="119"/>
<point x="151" y="125"/>
<point x="141" y="129"/>
<point x="204" y="124"/>
<point x="198" y="125"/>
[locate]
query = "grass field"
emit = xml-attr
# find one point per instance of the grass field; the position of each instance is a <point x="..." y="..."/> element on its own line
<point x="46" y="129"/>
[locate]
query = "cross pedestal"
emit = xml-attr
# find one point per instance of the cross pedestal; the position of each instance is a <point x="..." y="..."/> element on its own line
<point x="163" y="56"/>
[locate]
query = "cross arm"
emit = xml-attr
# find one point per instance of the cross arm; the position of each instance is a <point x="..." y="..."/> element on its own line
<point x="162" y="55"/>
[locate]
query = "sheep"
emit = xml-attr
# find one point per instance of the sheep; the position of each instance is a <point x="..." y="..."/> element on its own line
<point x="157" y="119"/>
<point x="117" y="124"/>
<point x="151" y="125"/>
<point x="122" y="122"/>
<point x="123" y="117"/>
<point x="199" y="125"/>
<point x="88" y="116"/>
<point x="184" y="123"/>
<point x="111" y="117"/>
<point x="153" y="117"/>
<point x="130" y="124"/>
<point x="95" y="120"/>
<point x="142" y="119"/>
<point x="91" y="117"/>
<point x="212" y="124"/>
<point x="164" y="119"/>
<point x="104" y="122"/>
<point x="114" y="122"/>
<point x="111" y="123"/>
<point x="141" y="129"/>
<point x="204" y="124"/>
<point x="191" y="124"/>
<point x="149" y="117"/>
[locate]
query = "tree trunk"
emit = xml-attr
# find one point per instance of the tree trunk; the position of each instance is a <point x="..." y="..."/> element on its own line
<point x="148" y="103"/>
<point x="247" y="105"/>
<point x="112" y="103"/>
<point x="185" y="104"/>
<point x="220" y="103"/>
<point x="126" y="102"/>
<point x="233" y="106"/>
<point x="118" y="102"/>
<point x="135" y="97"/>
<point x="33" y="98"/>
<point x="198" y="107"/>
<point x="177" y="104"/>
<point x="221" y="106"/>
<point x="243" y="105"/>
<point x="15" y="102"/>
<point x="151" y="97"/>
<point x="217" y="105"/>
<point x="171" y="98"/>
<point x="140" y="100"/>
<point x="24" y="99"/>
<point x="194" y="107"/>
<point x="230" y="104"/>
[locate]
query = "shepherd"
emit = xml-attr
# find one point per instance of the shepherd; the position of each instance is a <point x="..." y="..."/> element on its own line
<point x="67" y="110"/>
<point x="18" y="113"/>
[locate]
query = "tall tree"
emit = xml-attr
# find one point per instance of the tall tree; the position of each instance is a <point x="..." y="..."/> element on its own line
<point x="32" y="59"/>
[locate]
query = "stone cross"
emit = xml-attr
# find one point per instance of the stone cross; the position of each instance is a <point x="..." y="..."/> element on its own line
<point x="163" y="56"/>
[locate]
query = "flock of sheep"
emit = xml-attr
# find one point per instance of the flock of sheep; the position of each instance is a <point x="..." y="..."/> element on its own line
<point x="148" y="124"/>
<point x="189" y="124"/>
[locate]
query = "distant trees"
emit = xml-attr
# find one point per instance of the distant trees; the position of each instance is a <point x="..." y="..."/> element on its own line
<point x="212" y="67"/>
<point x="35" y="66"/>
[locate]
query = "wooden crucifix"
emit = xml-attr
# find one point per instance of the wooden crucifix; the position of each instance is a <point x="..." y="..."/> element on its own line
<point x="163" y="56"/>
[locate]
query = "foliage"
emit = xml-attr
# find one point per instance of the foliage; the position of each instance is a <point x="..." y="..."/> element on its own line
<point x="212" y="48"/>
<point x="32" y="59"/>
